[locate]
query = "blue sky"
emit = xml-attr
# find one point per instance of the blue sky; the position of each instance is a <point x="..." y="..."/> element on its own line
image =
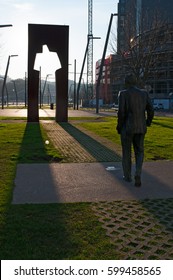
<point x="19" y="13"/>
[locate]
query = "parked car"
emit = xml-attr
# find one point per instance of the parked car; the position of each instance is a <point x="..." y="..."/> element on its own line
<point x="158" y="106"/>
<point x="115" y="106"/>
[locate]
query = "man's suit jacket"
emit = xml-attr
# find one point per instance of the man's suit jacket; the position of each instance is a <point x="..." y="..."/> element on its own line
<point x="135" y="111"/>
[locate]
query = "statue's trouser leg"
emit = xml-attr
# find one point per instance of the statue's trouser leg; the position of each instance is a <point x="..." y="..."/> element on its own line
<point x="138" y="145"/>
<point x="126" y="141"/>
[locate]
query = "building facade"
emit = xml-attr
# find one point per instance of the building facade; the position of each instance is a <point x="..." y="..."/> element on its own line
<point x="136" y="18"/>
<point x="105" y="83"/>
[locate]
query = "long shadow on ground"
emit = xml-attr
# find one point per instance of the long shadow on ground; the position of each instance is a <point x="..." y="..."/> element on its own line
<point x="96" y="149"/>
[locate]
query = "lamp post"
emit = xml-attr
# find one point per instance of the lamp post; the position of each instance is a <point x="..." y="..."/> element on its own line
<point x="6" y="25"/>
<point x="15" y="90"/>
<point x="5" y="78"/>
<point x="102" y="63"/>
<point x="44" y="87"/>
<point x="90" y="37"/>
<point x="25" y="88"/>
<point x="74" y="98"/>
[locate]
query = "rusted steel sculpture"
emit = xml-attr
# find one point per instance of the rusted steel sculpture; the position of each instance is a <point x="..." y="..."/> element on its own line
<point x="56" y="37"/>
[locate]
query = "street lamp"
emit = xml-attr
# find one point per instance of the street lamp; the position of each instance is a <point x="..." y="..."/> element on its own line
<point x="15" y="90"/>
<point x="5" y="78"/>
<point x="45" y="87"/>
<point x="102" y="63"/>
<point x="6" y="25"/>
<point x="90" y="37"/>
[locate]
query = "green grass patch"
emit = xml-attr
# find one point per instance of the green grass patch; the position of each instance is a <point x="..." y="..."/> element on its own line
<point x="158" y="140"/>
<point x="33" y="147"/>
<point x="104" y="127"/>
<point x="54" y="231"/>
<point x="6" y="118"/>
<point x="21" y="142"/>
<point x="10" y="142"/>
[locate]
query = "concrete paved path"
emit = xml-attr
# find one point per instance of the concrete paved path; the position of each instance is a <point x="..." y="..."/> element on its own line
<point x="89" y="182"/>
<point x="51" y="113"/>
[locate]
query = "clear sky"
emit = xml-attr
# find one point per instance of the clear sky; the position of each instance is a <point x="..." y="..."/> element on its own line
<point x="19" y="13"/>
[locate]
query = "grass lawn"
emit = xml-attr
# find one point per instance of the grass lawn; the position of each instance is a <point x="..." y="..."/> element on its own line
<point x="58" y="231"/>
<point x="158" y="140"/>
<point x="64" y="231"/>
<point x="54" y="231"/>
<point x="21" y="143"/>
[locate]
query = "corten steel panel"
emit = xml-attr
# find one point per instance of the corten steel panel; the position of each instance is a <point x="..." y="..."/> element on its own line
<point x="56" y="37"/>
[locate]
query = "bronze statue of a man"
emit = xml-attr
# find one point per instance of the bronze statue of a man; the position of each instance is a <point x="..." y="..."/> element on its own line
<point x="135" y="113"/>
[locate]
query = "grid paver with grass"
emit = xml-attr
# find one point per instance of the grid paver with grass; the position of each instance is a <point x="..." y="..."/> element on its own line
<point x="139" y="229"/>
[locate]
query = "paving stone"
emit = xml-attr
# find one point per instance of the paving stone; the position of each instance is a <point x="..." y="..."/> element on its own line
<point x="77" y="146"/>
<point x="136" y="229"/>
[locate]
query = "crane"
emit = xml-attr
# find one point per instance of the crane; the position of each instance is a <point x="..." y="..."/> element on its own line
<point x="89" y="56"/>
